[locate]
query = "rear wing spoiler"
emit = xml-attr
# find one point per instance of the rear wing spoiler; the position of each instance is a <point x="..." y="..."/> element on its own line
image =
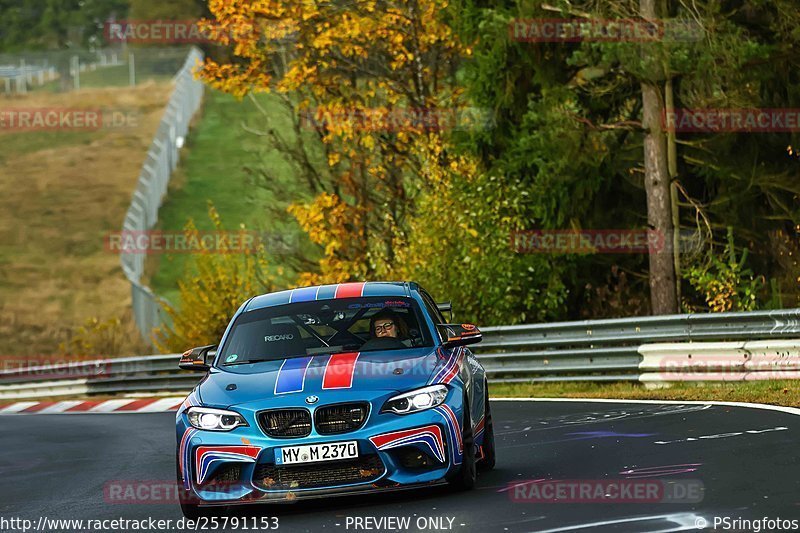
<point x="446" y="307"/>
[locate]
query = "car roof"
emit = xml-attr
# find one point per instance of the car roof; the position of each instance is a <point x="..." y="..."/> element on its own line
<point x="330" y="292"/>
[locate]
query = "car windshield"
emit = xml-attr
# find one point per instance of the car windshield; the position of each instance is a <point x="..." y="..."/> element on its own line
<point x="323" y="327"/>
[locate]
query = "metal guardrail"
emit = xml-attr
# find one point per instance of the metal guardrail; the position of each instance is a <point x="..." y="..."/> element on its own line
<point x="161" y="161"/>
<point x="592" y="350"/>
<point x="608" y="350"/>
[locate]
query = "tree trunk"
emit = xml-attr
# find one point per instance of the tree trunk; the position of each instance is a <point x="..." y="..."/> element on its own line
<point x="672" y="164"/>
<point x="663" y="299"/>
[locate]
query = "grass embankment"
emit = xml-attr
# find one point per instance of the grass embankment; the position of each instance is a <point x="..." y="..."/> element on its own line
<point x="61" y="192"/>
<point x="147" y="72"/>
<point x="777" y="392"/>
<point x="223" y="163"/>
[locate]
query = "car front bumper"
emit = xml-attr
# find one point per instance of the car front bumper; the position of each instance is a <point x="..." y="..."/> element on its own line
<point x="395" y="452"/>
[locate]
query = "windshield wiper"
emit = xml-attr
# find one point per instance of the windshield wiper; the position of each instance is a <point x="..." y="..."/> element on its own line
<point x="261" y="360"/>
<point x="247" y="362"/>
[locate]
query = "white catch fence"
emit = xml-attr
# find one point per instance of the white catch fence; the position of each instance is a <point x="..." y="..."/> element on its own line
<point x="161" y="161"/>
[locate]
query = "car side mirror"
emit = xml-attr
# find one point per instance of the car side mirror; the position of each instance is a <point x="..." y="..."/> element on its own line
<point x="198" y="359"/>
<point x="460" y="334"/>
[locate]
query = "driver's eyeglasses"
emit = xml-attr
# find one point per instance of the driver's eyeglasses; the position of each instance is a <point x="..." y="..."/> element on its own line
<point x="386" y="326"/>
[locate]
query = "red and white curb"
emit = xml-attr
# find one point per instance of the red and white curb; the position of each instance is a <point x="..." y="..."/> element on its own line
<point x="124" y="405"/>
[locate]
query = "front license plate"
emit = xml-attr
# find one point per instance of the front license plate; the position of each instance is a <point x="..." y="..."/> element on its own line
<point x="331" y="451"/>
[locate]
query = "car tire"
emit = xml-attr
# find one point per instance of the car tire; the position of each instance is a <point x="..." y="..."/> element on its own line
<point x="465" y="478"/>
<point x="489" y="457"/>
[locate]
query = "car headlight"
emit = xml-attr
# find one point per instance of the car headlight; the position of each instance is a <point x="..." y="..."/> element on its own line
<point x="214" y="419"/>
<point x="416" y="400"/>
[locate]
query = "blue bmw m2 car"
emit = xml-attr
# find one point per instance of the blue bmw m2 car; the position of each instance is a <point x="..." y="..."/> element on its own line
<point x="329" y="390"/>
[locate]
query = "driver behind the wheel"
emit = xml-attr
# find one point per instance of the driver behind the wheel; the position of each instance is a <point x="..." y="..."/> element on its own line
<point x="387" y="323"/>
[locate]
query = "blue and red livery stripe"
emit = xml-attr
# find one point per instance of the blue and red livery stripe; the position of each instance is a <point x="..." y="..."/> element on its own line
<point x="326" y="292"/>
<point x="190" y="401"/>
<point x="350" y="290"/>
<point x="449" y="370"/>
<point x="206" y="456"/>
<point x="479" y="427"/>
<point x="184" y="456"/>
<point x="292" y="375"/>
<point x="454" y="429"/>
<point x="339" y="371"/>
<point x="304" y="294"/>
<point x="430" y="436"/>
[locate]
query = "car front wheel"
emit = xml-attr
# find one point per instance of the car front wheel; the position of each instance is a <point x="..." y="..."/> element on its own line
<point x="464" y="479"/>
<point x="487" y="462"/>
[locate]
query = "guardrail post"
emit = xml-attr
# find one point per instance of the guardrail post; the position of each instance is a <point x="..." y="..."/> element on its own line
<point x="131" y="70"/>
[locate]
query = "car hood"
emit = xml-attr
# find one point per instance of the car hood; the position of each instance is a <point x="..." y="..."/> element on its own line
<point x="393" y="370"/>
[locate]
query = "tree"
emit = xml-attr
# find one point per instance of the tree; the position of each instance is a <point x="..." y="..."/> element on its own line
<point x="605" y="100"/>
<point x="183" y="10"/>
<point x="657" y="183"/>
<point x="55" y="24"/>
<point x="214" y="286"/>
<point x="351" y="71"/>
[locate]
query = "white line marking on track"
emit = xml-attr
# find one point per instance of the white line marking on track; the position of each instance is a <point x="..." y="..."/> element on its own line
<point x="681" y="522"/>
<point x="781" y="408"/>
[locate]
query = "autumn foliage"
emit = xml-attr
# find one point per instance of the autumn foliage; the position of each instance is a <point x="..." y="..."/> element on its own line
<point x="213" y="289"/>
<point x="420" y="197"/>
<point x="352" y="69"/>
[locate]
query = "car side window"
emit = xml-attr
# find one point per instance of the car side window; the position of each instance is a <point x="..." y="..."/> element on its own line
<point x="433" y="310"/>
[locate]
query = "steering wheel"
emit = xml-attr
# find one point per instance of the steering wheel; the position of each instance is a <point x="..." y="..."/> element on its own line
<point x="382" y="343"/>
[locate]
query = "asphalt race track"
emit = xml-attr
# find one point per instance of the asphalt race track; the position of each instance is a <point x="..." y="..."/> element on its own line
<point x="746" y="459"/>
